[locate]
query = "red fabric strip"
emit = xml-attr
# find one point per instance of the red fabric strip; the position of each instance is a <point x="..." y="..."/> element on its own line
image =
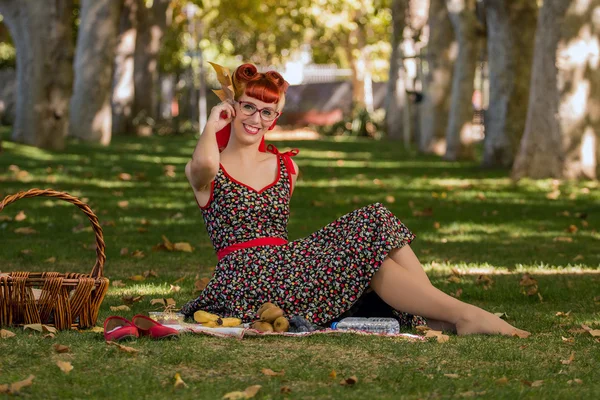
<point x="264" y="241"/>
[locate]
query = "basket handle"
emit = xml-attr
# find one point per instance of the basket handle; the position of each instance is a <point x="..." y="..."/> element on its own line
<point x="98" y="270"/>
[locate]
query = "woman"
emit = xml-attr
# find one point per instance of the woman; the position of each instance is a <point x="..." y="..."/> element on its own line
<point x="243" y="189"/>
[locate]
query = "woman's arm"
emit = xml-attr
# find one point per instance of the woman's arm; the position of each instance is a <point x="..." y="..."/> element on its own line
<point x="204" y="165"/>
<point x="294" y="176"/>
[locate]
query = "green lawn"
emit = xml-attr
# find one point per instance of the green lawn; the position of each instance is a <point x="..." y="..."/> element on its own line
<point x="466" y="218"/>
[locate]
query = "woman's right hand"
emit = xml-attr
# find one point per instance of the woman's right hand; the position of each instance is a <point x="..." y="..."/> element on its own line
<point x="221" y="115"/>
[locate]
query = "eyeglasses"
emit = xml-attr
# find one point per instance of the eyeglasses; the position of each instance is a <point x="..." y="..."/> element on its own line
<point x="266" y="114"/>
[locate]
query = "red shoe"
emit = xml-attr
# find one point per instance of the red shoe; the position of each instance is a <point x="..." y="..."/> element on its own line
<point x="155" y="330"/>
<point x="118" y="328"/>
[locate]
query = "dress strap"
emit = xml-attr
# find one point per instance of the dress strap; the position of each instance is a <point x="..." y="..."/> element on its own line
<point x="287" y="157"/>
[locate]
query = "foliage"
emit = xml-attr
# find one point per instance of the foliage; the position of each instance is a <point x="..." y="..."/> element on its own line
<point x="361" y="123"/>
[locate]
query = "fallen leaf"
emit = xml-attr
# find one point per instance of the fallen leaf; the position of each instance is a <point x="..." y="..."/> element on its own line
<point x="26" y="251"/>
<point x="578" y="257"/>
<point x="170" y="302"/>
<point x="138" y="254"/>
<point x="183" y="246"/>
<point x="61" y="348"/>
<point x="349" y="381"/>
<point x="453" y="279"/>
<point x="123" y="204"/>
<point x="51" y="260"/>
<point x="35" y="327"/>
<point x="20" y="216"/>
<point x="4" y="334"/>
<point x="124" y="177"/>
<point x="120" y="308"/>
<point x="118" y="284"/>
<point x="49" y="329"/>
<point x="64" y="366"/>
<point x="578" y="381"/>
<point x="570" y="360"/>
<point x="521" y="334"/>
<point x="452" y="375"/>
<point x="501" y="315"/>
<point x="270" y="372"/>
<point x="125" y="349"/>
<point x="484" y="280"/>
<point x="201" y="284"/>
<point x="248" y="393"/>
<point x="562" y="314"/>
<point x="458" y="293"/>
<point x="157" y="301"/>
<point x="333" y="374"/>
<point x="130" y="299"/>
<point x="174" y="288"/>
<point x="25" y="231"/>
<point x="179" y="383"/>
<point x="471" y="393"/>
<point x="566" y="239"/>
<point x="440" y="337"/>
<point x="137" y="278"/>
<point x="124" y="251"/>
<point x="15" y="387"/>
<point x="426" y="212"/>
<point x="285" y="390"/>
<point x="502" y="381"/>
<point x="577" y="330"/>
<point x="537" y="383"/>
<point x="97" y="329"/>
<point x="422" y="328"/>
<point x="568" y="340"/>
<point x="436" y="225"/>
<point x="49" y="336"/>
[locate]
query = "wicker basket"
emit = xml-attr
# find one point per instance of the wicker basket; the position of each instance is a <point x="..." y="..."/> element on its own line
<point x="67" y="299"/>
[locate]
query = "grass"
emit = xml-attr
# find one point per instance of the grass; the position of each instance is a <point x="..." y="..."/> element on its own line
<point x="473" y="220"/>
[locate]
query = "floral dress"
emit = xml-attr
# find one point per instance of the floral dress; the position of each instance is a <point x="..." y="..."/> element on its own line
<point x="322" y="277"/>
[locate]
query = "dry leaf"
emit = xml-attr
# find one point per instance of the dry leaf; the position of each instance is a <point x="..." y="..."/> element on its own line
<point x="157" y="301"/>
<point x="501" y="315"/>
<point x="26" y="251"/>
<point x="578" y="381"/>
<point x="453" y="279"/>
<point x="179" y="383"/>
<point x="426" y="212"/>
<point x="97" y="329"/>
<point x="562" y="314"/>
<point x="458" y="293"/>
<point x="436" y="225"/>
<point x="51" y="260"/>
<point x="130" y="299"/>
<point x="390" y="199"/>
<point x="570" y="360"/>
<point x="138" y="254"/>
<point x="422" y="328"/>
<point x="137" y="278"/>
<point x="25" y="231"/>
<point x="349" y="381"/>
<point x="124" y="176"/>
<point x="484" y="280"/>
<point x="502" y="381"/>
<point x="566" y="239"/>
<point x="285" y="390"/>
<point x="20" y="216"/>
<point x="123" y="204"/>
<point x="61" y="348"/>
<point x="440" y="337"/>
<point x="35" y="327"/>
<point x="568" y="340"/>
<point x="4" y="334"/>
<point x="49" y="336"/>
<point x="118" y="284"/>
<point x="64" y="366"/>
<point x="333" y="374"/>
<point x="174" y="288"/>
<point x="249" y="393"/>
<point x="183" y="246"/>
<point x="170" y="302"/>
<point x="270" y="372"/>
<point x="578" y="257"/>
<point x="124" y="251"/>
<point x="452" y="375"/>
<point x="521" y="334"/>
<point x="471" y="393"/>
<point x="125" y="349"/>
<point x="120" y="308"/>
<point x="150" y="273"/>
<point x="16" y="387"/>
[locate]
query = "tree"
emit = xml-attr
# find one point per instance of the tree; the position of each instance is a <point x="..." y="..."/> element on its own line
<point x="42" y="33"/>
<point x="459" y="135"/>
<point x="151" y="24"/>
<point x="90" y="112"/>
<point x="510" y="38"/>
<point x="563" y="122"/>
<point x="435" y="107"/>
<point x="396" y="92"/>
<point x="123" y="88"/>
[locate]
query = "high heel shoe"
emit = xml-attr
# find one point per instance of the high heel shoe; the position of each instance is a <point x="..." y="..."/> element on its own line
<point x="118" y="328"/>
<point x="148" y="326"/>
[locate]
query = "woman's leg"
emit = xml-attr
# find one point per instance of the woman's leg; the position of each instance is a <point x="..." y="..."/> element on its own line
<point x="406" y="258"/>
<point x="402" y="290"/>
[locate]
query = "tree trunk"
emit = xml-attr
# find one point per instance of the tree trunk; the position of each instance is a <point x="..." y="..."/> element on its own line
<point x="42" y="35"/>
<point x="511" y="33"/>
<point x="562" y="128"/>
<point x="435" y="107"/>
<point x="91" y="116"/>
<point x="459" y="134"/>
<point x="123" y="87"/>
<point x="396" y="92"/>
<point x="151" y="25"/>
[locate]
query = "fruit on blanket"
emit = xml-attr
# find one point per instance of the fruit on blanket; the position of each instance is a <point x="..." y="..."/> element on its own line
<point x="231" y="322"/>
<point x="281" y="324"/>
<point x="204" y="317"/>
<point x="264" y="307"/>
<point x="262" y="326"/>
<point x="211" y="324"/>
<point x="271" y="314"/>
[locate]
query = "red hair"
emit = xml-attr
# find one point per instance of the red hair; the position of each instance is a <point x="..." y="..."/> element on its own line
<point x="269" y="87"/>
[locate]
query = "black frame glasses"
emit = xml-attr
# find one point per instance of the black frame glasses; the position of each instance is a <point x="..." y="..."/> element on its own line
<point x="250" y="113"/>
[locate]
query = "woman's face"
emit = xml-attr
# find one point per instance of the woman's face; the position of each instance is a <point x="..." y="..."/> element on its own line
<point x="251" y="128"/>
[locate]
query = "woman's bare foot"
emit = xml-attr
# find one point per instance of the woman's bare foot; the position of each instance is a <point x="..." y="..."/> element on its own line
<point x="477" y="320"/>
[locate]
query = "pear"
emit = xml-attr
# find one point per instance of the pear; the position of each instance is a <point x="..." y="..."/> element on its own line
<point x="281" y="324"/>
<point x="271" y="314"/>
<point x="262" y="326"/>
<point x="264" y="307"/>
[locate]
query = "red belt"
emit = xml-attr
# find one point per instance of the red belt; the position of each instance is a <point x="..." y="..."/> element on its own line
<point x="264" y="241"/>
